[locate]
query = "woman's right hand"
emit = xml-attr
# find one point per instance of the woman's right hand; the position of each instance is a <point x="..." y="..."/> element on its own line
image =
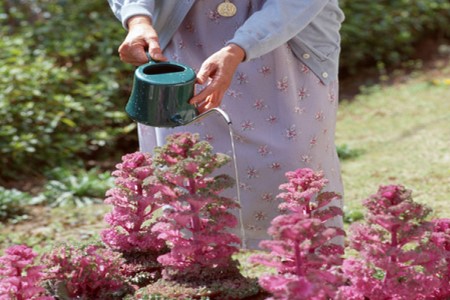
<point x="141" y="36"/>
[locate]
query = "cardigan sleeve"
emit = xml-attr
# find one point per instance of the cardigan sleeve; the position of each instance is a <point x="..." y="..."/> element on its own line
<point x="125" y="9"/>
<point x="274" y="24"/>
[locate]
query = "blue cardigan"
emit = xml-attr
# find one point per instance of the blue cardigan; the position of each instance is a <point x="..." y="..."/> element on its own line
<point x="310" y="27"/>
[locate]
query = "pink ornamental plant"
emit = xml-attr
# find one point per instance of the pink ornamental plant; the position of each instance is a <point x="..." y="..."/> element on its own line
<point x="135" y="198"/>
<point x="19" y="278"/>
<point x="305" y="260"/>
<point x="196" y="216"/>
<point x="440" y="238"/>
<point x="394" y="262"/>
<point x="90" y="273"/>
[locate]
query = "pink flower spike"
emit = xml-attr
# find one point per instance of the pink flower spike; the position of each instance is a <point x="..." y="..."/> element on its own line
<point x="305" y="262"/>
<point x="20" y="278"/>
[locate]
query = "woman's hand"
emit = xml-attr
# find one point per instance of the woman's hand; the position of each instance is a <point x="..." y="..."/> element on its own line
<point x="217" y="72"/>
<point x="141" y="36"/>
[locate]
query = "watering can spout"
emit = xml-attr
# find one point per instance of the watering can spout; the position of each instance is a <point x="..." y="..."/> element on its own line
<point x="222" y="113"/>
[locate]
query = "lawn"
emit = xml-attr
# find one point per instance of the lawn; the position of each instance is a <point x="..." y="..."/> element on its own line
<point x="399" y="133"/>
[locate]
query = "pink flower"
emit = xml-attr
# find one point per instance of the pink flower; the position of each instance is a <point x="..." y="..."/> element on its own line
<point x="134" y="199"/>
<point x="300" y="249"/>
<point x="289" y="287"/>
<point x="90" y="273"/>
<point x="440" y="238"/>
<point x="302" y="186"/>
<point x="394" y="262"/>
<point x="19" y="278"/>
<point x="195" y="224"/>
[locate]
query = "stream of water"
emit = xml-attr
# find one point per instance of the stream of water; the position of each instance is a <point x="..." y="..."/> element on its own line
<point x="236" y="173"/>
<point x="238" y="188"/>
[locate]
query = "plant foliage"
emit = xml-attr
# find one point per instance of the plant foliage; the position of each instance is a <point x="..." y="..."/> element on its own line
<point x="387" y="32"/>
<point x="92" y="272"/>
<point x="399" y="253"/>
<point x="74" y="187"/>
<point x="20" y="279"/>
<point x="134" y="203"/>
<point x="307" y="263"/>
<point x="59" y="80"/>
<point x="12" y="204"/>
<point x="197" y="217"/>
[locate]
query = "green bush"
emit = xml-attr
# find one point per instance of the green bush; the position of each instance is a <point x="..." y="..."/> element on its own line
<point x="61" y="83"/>
<point x="74" y="187"/>
<point x="12" y="203"/>
<point x="345" y="152"/>
<point x="387" y="32"/>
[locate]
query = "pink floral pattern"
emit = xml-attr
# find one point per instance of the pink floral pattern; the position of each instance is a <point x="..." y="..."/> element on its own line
<point x="283" y="116"/>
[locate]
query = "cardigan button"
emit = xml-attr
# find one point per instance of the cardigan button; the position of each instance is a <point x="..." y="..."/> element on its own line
<point x="325" y="75"/>
<point x="306" y="56"/>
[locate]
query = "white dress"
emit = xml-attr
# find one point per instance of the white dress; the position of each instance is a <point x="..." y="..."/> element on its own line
<point x="283" y="117"/>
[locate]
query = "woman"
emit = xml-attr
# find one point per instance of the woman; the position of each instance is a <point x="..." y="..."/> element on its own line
<point x="271" y="65"/>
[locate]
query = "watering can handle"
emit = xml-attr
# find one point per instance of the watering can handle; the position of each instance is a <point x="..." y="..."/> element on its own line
<point x="150" y="59"/>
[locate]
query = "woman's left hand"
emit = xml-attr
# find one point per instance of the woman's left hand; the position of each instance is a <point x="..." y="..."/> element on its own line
<point x="217" y="72"/>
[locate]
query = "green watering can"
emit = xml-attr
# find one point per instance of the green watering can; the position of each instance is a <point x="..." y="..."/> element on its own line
<point x="161" y="93"/>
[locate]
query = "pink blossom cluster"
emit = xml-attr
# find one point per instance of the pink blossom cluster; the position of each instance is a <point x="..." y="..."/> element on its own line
<point x="196" y="217"/>
<point x="19" y="278"/>
<point x="91" y="273"/>
<point x="302" y="186"/>
<point x="305" y="260"/>
<point x="397" y="259"/>
<point x="135" y="198"/>
<point x="440" y="238"/>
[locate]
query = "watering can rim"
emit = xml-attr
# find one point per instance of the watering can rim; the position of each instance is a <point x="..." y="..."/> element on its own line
<point x="186" y="76"/>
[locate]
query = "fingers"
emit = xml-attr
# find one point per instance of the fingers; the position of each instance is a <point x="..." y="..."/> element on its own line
<point x="217" y="81"/>
<point x="207" y="100"/>
<point x="133" y="53"/>
<point x="206" y="71"/>
<point x="217" y="73"/>
<point x="140" y="37"/>
<point x="211" y="96"/>
<point x="155" y="50"/>
<point x="213" y="100"/>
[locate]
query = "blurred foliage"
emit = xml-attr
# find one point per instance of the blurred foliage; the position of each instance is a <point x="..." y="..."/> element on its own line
<point x="62" y="85"/>
<point x="352" y="215"/>
<point x="74" y="187"/>
<point x="12" y="203"/>
<point x="345" y="152"/>
<point x="385" y="33"/>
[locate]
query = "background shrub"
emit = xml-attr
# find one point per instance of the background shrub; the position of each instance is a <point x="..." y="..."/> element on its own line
<point x="74" y="187"/>
<point x="12" y="203"/>
<point x="62" y="84"/>
<point x="388" y="32"/>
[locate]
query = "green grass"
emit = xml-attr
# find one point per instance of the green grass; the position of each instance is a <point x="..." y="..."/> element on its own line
<point x="402" y="135"/>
